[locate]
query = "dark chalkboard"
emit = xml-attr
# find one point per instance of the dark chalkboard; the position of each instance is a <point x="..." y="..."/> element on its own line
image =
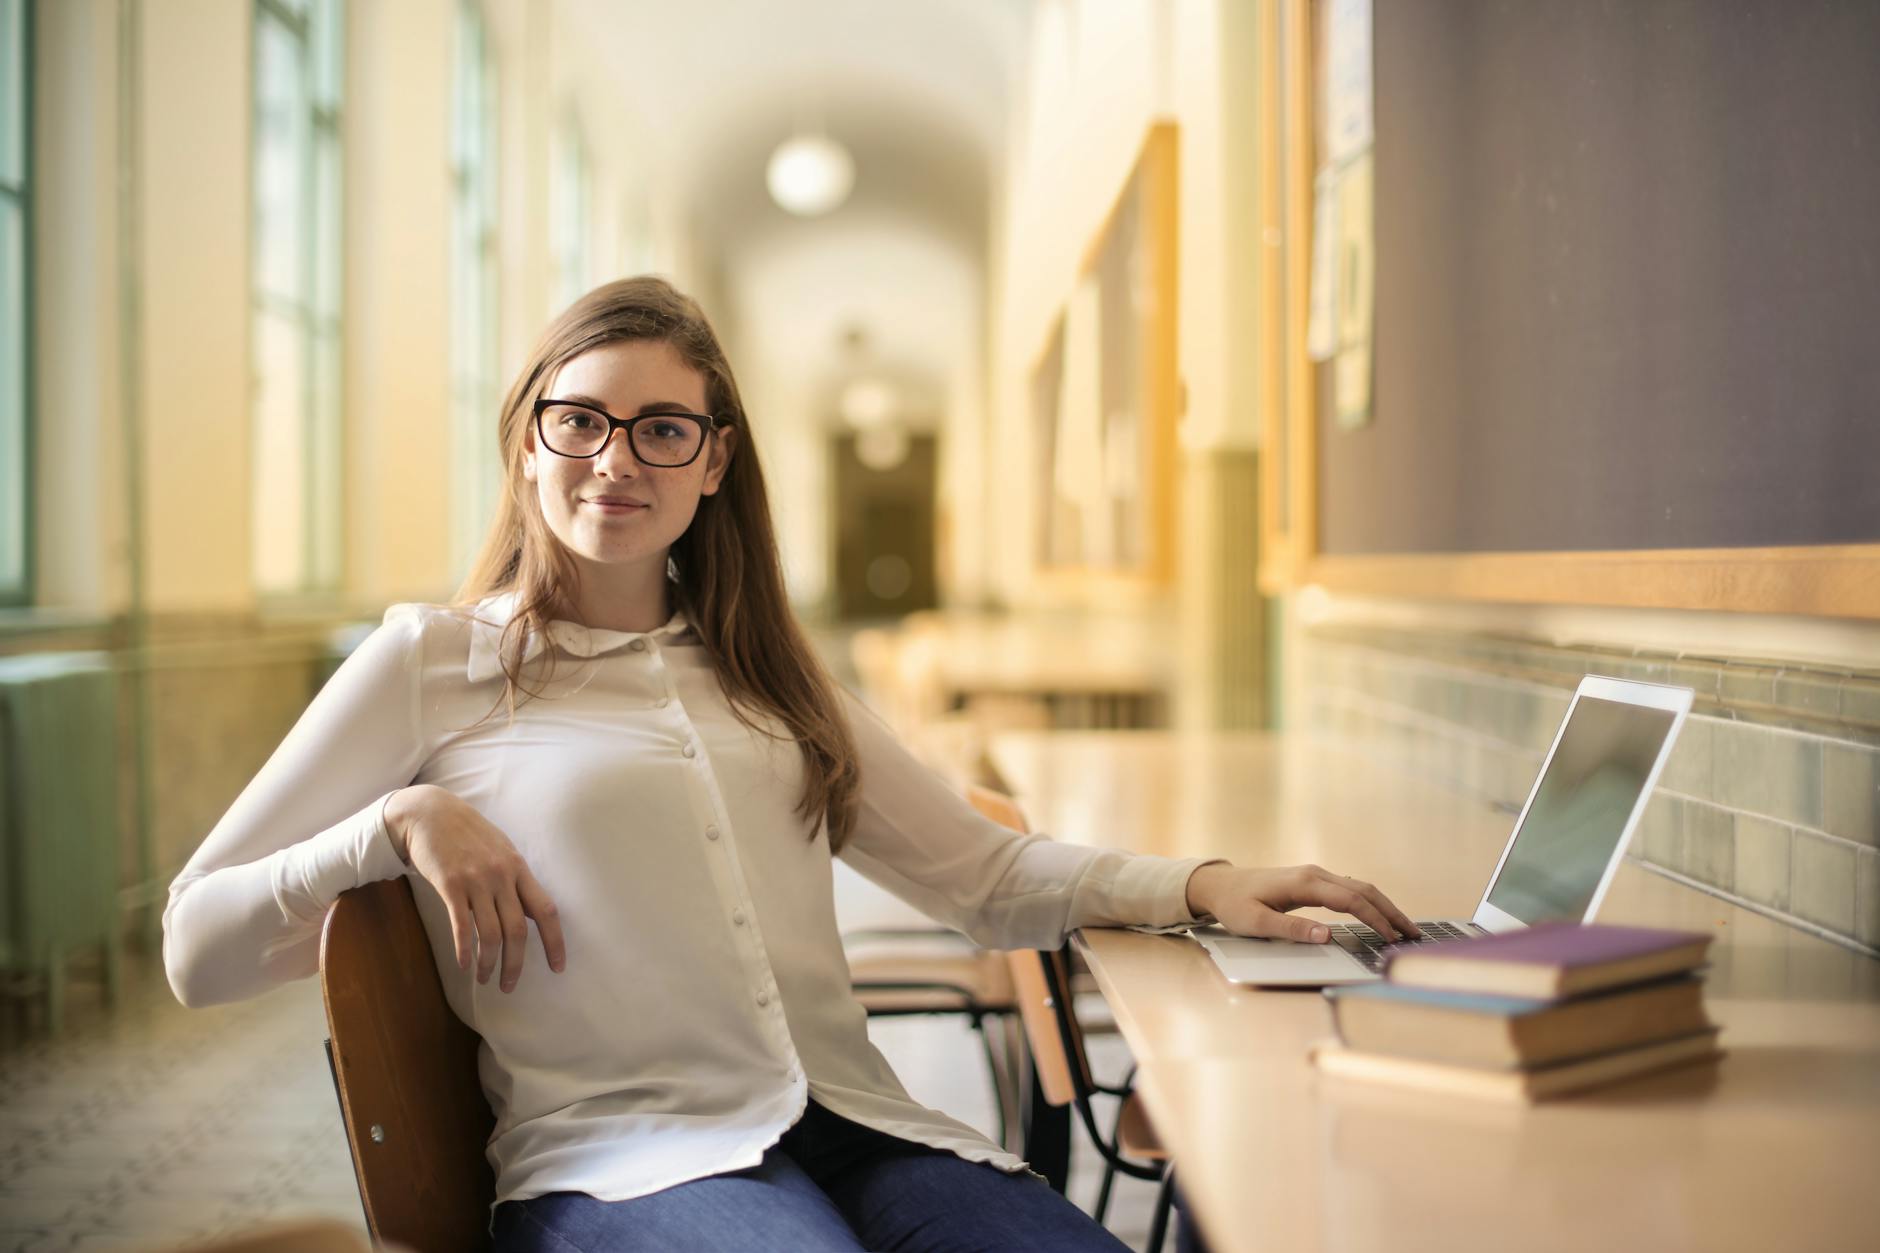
<point x="1628" y="280"/>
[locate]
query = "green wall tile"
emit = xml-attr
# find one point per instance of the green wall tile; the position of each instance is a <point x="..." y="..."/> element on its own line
<point x="1762" y="861"/>
<point x="1754" y="685"/>
<point x="1688" y="771"/>
<point x="1660" y="835"/>
<point x="1823" y="887"/>
<point x="1775" y="774"/>
<point x="1815" y="694"/>
<point x="1544" y="715"/>
<point x="1860" y="701"/>
<point x="1867" y="897"/>
<point x="1702" y="678"/>
<point x="1850" y="792"/>
<point x="1710" y="845"/>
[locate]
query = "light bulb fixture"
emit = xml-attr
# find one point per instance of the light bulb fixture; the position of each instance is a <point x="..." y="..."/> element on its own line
<point x="882" y="448"/>
<point x="867" y="402"/>
<point x="810" y="174"/>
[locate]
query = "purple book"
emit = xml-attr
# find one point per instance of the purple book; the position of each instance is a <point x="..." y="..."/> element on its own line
<point x="1552" y="959"/>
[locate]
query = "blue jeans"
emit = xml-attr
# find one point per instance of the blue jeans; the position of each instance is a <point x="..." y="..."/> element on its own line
<point x="829" y="1184"/>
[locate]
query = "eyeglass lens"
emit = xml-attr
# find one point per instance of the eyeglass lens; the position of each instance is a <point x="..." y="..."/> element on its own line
<point x="657" y="440"/>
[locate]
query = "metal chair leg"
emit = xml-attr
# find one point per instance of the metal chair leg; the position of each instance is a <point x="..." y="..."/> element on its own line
<point x="1158" y="1225"/>
<point x="1105" y="1188"/>
<point x="1102" y="1206"/>
<point x="997" y="1072"/>
<point x="1017" y="1056"/>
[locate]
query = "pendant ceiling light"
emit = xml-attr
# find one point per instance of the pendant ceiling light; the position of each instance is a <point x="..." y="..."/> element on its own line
<point x="810" y="174"/>
<point x="867" y="402"/>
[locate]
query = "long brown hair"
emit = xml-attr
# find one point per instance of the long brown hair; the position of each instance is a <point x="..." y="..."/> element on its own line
<point x="728" y="578"/>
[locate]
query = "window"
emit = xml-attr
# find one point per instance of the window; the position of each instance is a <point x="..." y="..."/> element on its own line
<point x="296" y="266"/>
<point x="16" y="448"/>
<point x="474" y="386"/>
<point x="568" y="230"/>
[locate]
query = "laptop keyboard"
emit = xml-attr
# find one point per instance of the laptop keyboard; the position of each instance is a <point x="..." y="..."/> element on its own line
<point x="1368" y="946"/>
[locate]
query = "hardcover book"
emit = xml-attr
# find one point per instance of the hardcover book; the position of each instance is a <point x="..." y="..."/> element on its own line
<point x="1549" y="961"/>
<point x="1333" y="1058"/>
<point x="1470" y="1029"/>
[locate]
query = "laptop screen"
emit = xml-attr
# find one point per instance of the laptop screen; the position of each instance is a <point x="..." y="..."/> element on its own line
<point x="1587" y="793"/>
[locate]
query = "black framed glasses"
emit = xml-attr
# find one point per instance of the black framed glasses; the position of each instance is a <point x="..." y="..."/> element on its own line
<point x="666" y="440"/>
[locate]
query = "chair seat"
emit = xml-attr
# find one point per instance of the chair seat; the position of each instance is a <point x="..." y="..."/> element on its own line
<point x="959" y="981"/>
<point x="1135" y="1136"/>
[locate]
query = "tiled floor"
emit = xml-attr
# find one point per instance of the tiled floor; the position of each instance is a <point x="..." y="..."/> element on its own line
<point x="154" y="1124"/>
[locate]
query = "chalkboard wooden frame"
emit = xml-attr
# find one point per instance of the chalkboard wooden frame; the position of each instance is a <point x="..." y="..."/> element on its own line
<point x="1841" y="580"/>
<point x="1151" y="189"/>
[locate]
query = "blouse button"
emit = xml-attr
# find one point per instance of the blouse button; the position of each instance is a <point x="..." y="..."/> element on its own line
<point x="690" y="751"/>
<point x="638" y="646"/>
<point x="763" y="998"/>
<point x="737" y="917"/>
<point x="662" y="702"/>
<point x="711" y="833"/>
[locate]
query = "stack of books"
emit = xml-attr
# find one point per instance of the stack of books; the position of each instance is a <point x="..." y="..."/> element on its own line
<point x="1526" y="1014"/>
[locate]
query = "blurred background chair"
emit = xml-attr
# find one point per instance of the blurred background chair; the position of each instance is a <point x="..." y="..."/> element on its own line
<point x="936" y="971"/>
<point x="405" y="1068"/>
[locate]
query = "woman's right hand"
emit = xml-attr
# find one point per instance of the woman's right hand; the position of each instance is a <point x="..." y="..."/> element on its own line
<point x="484" y="881"/>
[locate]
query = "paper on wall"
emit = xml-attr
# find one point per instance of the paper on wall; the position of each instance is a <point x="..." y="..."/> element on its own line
<point x="1357" y="269"/>
<point x="1322" y="324"/>
<point x="1348" y="122"/>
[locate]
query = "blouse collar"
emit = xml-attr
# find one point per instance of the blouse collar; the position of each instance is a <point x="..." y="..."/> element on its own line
<point x="494" y="612"/>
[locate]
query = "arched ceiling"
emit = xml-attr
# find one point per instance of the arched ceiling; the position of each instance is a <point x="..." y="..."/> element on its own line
<point x="918" y="91"/>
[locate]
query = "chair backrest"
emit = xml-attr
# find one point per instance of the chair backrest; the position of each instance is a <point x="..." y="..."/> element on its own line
<point x="1057" y="1044"/>
<point x="997" y="806"/>
<point x="406" y="1069"/>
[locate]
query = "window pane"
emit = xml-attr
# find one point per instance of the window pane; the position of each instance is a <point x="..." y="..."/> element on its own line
<point x="329" y="55"/>
<point x="12" y="92"/>
<point x="13" y="467"/>
<point x="280" y="349"/>
<point x="281" y="159"/>
<point x="463" y="87"/>
<point x="298" y="81"/>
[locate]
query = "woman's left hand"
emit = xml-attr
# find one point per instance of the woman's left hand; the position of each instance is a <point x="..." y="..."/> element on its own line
<point x="1254" y="902"/>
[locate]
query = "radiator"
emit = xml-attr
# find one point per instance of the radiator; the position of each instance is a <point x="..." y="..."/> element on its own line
<point x="58" y="819"/>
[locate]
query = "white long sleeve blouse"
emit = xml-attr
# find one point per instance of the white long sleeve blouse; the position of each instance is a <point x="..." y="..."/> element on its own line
<point x="706" y="994"/>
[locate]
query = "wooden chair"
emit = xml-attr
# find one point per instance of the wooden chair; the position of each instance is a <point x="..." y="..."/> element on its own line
<point x="405" y="1068"/>
<point x="1063" y="1069"/>
<point x="909" y="970"/>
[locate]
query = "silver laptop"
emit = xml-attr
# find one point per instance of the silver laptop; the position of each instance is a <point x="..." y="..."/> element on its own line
<point x="1557" y="864"/>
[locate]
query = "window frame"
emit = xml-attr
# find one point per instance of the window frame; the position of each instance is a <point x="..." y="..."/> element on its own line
<point x="20" y="593"/>
<point x="320" y="564"/>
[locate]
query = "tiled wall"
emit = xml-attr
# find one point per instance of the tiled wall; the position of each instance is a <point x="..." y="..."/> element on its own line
<point x="1771" y="797"/>
<point x="222" y="691"/>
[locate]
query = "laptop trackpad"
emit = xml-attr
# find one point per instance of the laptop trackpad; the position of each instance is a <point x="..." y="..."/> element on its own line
<point x="1244" y="959"/>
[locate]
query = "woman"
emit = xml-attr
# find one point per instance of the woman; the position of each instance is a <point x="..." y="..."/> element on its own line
<point x="621" y="736"/>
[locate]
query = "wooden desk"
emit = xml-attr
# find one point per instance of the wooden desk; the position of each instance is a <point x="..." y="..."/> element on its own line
<point x="1776" y="1147"/>
<point x="1071" y="670"/>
